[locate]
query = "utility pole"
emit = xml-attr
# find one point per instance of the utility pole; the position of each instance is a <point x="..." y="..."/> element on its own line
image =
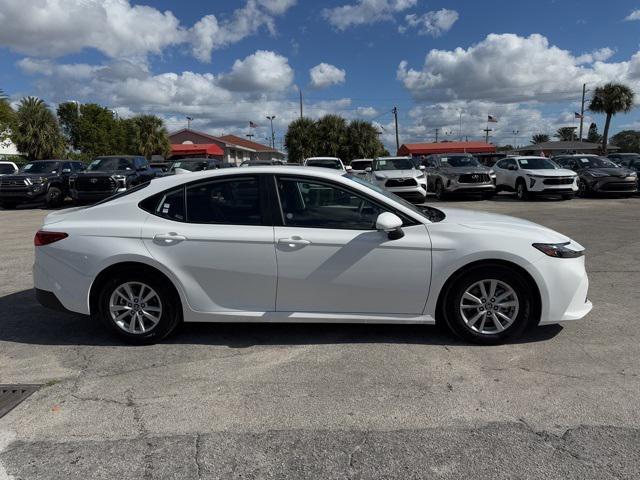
<point x="460" y="126"/>
<point x="189" y="122"/>
<point x="273" y="136"/>
<point x="395" y="116"/>
<point x="300" y="90"/>
<point x="584" y="91"/>
<point x="486" y="133"/>
<point x="437" y="130"/>
<point x="515" y="138"/>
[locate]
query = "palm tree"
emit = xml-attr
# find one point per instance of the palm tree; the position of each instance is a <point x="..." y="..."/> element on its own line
<point x="332" y="136"/>
<point x="151" y="136"/>
<point x="301" y="139"/>
<point x="610" y="99"/>
<point x="36" y="132"/>
<point x="566" y="134"/>
<point x="540" y="138"/>
<point x="7" y="115"/>
<point x="363" y="141"/>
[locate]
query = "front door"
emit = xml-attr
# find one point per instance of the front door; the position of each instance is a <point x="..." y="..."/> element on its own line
<point x="219" y="246"/>
<point x="331" y="259"/>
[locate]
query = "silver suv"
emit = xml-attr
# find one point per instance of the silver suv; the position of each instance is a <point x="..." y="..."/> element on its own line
<point x="458" y="173"/>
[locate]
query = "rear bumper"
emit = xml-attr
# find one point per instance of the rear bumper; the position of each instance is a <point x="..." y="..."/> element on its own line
<point x="22" y="196"/>
<point x="49" y="300"/>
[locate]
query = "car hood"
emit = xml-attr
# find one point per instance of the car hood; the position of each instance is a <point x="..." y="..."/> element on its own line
<point x="465" y="170"/>
<point x="611" y="172"/>
<point x="398" y="173"/>
<point x="104" y="173"/>
<point x="504" y="225"/>
<point x="560" y="172"/>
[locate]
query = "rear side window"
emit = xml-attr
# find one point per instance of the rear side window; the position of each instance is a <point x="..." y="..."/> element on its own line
<point x="227" y="202"/>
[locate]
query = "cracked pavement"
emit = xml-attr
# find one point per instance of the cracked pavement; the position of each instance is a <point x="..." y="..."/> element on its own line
<point x="332" y="401"/>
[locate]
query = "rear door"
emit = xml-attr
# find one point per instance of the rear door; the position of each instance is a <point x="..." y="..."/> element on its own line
<point x="215" y="237"/>
<point x="331" y="259"/>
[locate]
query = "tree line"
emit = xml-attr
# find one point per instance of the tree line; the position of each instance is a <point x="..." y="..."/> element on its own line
<point x="79" y="131"/>
<point x="332" y="136"/>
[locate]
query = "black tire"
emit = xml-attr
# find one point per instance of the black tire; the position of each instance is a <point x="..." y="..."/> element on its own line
<point x="522" y="193"/>
<point x="54" y="197"/>
<point x="583" y="189"/>
<point x="8" y="205"/>
<point x="568" y="196"/>
<point x="439" y="190"/>
<point x="171" y="313"/>
<point x="451" y="305"/>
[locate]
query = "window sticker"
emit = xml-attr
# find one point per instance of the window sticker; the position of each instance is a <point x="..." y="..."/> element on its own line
<point x="584" y="160"/>
<point x="524" y="162"/>
<point x="444" y="159"/>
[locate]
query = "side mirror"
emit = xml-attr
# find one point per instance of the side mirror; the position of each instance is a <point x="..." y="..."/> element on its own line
<point x="390" y="223"/>
<point x="368" y="170"/>
<point x="66" y="170"/>
<point x="421" y="167"/>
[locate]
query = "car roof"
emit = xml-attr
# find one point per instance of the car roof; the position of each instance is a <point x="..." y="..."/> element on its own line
<point x="527" y="157"/>
<point x="397" y="157"/>
<point x="322" y="158"/>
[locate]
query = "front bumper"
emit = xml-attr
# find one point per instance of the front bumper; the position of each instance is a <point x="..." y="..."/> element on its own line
<point x="29" y="194"/>
<point x="453" y="186"/>
<point x="81" y="196"/>
<point x="615" y="185"/>
<point x="546" y="185"/>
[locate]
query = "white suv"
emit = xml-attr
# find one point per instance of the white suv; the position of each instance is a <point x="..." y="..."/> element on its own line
<point x="535" y="175"/>
<point x="326" y="162"/>
<point x="400" y="176"/>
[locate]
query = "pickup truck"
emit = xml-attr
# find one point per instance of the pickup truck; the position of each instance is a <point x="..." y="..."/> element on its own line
<point x="107" y="176"/>
<point x="39" y="181"/>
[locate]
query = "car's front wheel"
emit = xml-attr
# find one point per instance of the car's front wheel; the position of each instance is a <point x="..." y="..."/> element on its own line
<point x="440" y="193"/>
<point x="488" y="305"/>
<point x="54" y="197"/>
<point x="521" y="191"/>
<point x="139" y="308"/>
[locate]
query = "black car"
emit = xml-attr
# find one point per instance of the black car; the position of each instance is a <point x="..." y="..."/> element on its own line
<point x="623" y="159"/>
<point x="107" y="176"/>
<point x="599" y="174"/>
<point x="195" y="164"/>
<point x="40" y="181"/>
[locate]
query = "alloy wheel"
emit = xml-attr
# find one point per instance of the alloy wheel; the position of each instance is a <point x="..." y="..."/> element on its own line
<point x="135" y="307"/>
<point x="489" y="306"/>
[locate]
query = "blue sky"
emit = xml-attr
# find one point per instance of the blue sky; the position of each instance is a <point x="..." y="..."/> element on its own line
<point x="226" y="63"/>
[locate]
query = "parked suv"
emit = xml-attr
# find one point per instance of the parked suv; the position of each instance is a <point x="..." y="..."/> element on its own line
<point x="599" y="175"/>
<point x="107" y="176"/>
<point x="528" y="176"/>
<point x="43" y="180"/>
<point x="399" y="175"/>
<point x="458" y="173"/>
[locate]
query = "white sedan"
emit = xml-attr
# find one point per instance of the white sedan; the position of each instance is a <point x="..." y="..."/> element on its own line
<point x="301" y="244"/>
<point x="528" y="176"/>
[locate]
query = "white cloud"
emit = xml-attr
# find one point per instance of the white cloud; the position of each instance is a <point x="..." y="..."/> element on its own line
<point x="365" y="12"/>
<point x="599" y="55"/>
<point x="324" y="75"/>
<point x="366" y="111"/>
<point x="261" y="71"/>
<point x="433" y="23"/>
<point x="118" y="29"/>
<point x="508" y="68"/>
<point x="635" y="15"/>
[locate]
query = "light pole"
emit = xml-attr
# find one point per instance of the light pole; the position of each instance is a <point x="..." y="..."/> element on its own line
<point x="78" y="124"/>
<point x="189" y="119"/>
<point x="273" y="135"/>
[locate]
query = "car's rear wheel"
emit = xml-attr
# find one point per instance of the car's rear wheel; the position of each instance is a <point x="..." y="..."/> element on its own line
<point x="521" y="191"/>
<point x="139" y="308"/>
<point x="583" y="188"/>
<point x="488" y="305"/>
<point x="54" y="197"/>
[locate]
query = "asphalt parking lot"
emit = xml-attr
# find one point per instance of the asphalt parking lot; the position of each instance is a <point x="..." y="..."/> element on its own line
<point x="332" y="401"/>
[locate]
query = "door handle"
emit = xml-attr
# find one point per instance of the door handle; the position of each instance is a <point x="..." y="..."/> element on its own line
<point x="294" y="241"/>
<point x="171" y="238"/>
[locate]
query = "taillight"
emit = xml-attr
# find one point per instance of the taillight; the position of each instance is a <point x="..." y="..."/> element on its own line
<point x="44" y="237"/>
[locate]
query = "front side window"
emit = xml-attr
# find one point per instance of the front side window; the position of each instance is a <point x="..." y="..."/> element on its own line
<point x="6" y="168"/>
<point x="106" y="164"/>
<point x="227" y="202"/>
<point x="314" y="204"/>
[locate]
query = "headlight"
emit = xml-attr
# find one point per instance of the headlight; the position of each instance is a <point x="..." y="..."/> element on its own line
<point x="558" y="250"/>
<point x="492" y="174"/>
<point x="37" y="180"/>
<point x="420" y="176"/>
<point x="379" y="177"/>
<point x="633" y="174"/>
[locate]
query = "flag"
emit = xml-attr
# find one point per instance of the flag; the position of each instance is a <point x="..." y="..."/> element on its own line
<point x="253" y="125"/>
<point x="578" y="116"/>
<point x="492" y="119"/>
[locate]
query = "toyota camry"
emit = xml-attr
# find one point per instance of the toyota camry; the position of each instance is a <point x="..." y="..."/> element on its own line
<point x="301" y="244"/>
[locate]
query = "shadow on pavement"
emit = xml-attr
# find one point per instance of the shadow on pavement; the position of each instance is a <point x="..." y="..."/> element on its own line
<point x="23" y="320"/>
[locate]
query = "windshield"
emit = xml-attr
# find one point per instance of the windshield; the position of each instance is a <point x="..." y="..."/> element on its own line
<point x="361" y="164"/>
<point x="394" y="164"/>
<point x="191" y="166"/>
<point x="335" y="164"/>
<point x="537" y="164"/>
<point x="460" y="161"/>
<point x="111" y="163"/>
<point x="6" y="168"/>
<point x="431" y="214"/>
<point x="596" y="162"/>
<point x="41" y="167"/>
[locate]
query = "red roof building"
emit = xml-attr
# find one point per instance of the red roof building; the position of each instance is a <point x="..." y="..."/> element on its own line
<point x="414" y="149"/>
<point x="197" y="150"/>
